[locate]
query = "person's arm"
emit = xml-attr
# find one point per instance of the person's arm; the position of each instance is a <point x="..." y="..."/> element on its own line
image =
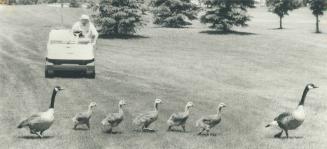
<point x="75" y="27"/>
<point x="94" y="32"/>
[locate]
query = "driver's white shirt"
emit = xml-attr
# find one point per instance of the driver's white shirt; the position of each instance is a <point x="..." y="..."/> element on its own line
<point x="88" y="30"/>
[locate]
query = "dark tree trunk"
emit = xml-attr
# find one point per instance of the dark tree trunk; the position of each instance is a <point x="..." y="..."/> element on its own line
<point x="280" y="22"/>
<point x="226" y="29"/>
<point x="317" y="24"/>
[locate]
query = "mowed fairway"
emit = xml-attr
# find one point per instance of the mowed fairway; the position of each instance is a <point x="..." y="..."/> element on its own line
<point x="257" y="72"/>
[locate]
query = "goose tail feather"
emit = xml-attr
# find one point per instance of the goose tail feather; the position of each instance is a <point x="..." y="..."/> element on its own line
<point x="23" y="124"/>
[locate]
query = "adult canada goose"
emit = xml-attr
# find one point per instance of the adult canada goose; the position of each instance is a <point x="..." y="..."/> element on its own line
<point x="207" y="122"/>
<point x="292" y="120"/>
<point x="84" y="117"/>
<point x="144" y="120"/>
<point x="39" y="122"/>
<point x="179" y="119"/>
<point x="114" y="119"/>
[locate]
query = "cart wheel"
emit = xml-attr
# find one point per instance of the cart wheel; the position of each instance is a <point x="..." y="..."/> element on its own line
<point x="48" y="74"/>
<point x="91" y="75"/>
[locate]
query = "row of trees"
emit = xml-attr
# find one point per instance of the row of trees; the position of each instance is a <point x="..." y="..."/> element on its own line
<point x="283" y="7"/>
<point x="125" y="16"/>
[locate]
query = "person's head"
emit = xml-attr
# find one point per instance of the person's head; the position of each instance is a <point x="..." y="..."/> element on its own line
<point x="85" y="19"/>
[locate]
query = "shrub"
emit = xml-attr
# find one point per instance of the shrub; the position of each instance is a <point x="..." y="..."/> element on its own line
<point x="118" y="17"/>
<point x="224" y="14"/>
<point x="173" y="13"/>
<point x="74" y="4"/>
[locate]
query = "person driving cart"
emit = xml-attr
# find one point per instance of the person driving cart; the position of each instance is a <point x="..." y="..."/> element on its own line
<point x="84" y="28"/>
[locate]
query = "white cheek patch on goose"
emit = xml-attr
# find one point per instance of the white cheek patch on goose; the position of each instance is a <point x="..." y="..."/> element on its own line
<point x="56" y="89"/>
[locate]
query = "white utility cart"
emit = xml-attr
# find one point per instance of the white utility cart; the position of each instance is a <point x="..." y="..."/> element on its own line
<point x="66" y="52"/>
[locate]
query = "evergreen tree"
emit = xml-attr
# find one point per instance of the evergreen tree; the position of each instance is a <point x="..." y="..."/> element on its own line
<point x="173" y="13"/>
<point x="74" y="3"/>
<point x="120" y="17"/>
<point x="318" y="7"/>
<point x="224" y="14"/>
<point x="282" y="7"/>
<point x="143" y="6"/>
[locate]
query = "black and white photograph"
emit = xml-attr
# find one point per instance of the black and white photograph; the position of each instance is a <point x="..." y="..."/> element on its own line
<point x="163" y="74"/>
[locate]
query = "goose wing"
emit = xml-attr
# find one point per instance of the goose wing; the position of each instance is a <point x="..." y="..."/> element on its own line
<point x="178" y="117"/>
<point x="282" y="116"/>
<point x="210" y="119"/>
<point x="35" y="118"/>
<point x="112" y="117"/>
<point x="82" y="116"/>
<point x="147" y="117"/>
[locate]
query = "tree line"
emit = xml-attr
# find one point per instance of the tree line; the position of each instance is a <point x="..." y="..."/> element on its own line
<point x="126" y="16"/>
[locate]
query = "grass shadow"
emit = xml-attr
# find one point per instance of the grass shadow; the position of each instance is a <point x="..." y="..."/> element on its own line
<point x="69" y="74"/>
<point x="81" y="129"/>
<point x="164" y="27"/>
<point x="122" y="36"/>
<point x="319" y="33"/>
<point x="292" y="137"/>
<point x="145" y="131"/>
<point x="285" y="138"/>
<point x="112" y="132"/>
<point x="34" y="137"/>
<point x="177" y="130"/>
<point x="278" y="28"/>
<point x="214" y="32"/>
<point x="211" y="134"/>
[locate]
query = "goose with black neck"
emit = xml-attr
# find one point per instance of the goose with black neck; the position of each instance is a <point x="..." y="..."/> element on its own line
<point x="292" y="120"/>
<point x="40" y="122"/>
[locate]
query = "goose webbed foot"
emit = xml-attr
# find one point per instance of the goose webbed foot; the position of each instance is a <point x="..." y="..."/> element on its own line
<point x="199" y="133"/>
<point x="278" y="135"/>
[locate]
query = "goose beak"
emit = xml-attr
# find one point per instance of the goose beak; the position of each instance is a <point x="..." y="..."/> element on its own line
<point x="316" y="87"/>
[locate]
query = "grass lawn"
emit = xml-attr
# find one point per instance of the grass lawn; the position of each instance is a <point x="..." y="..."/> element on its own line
<point x="258" y="72"/>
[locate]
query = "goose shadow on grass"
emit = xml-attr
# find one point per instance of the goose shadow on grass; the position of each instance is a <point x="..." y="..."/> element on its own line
<point x="112" y="132"/>
<point x="81" y="129"/>
<point x="118" y="36"/>
<point x="145" y="131"/>
<point x="35" y="137"/>
<point x="214" y="32"/>
<point x="207" y="135"/>
<point x="285" y="138"/>
<point x="177" y="130"/>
